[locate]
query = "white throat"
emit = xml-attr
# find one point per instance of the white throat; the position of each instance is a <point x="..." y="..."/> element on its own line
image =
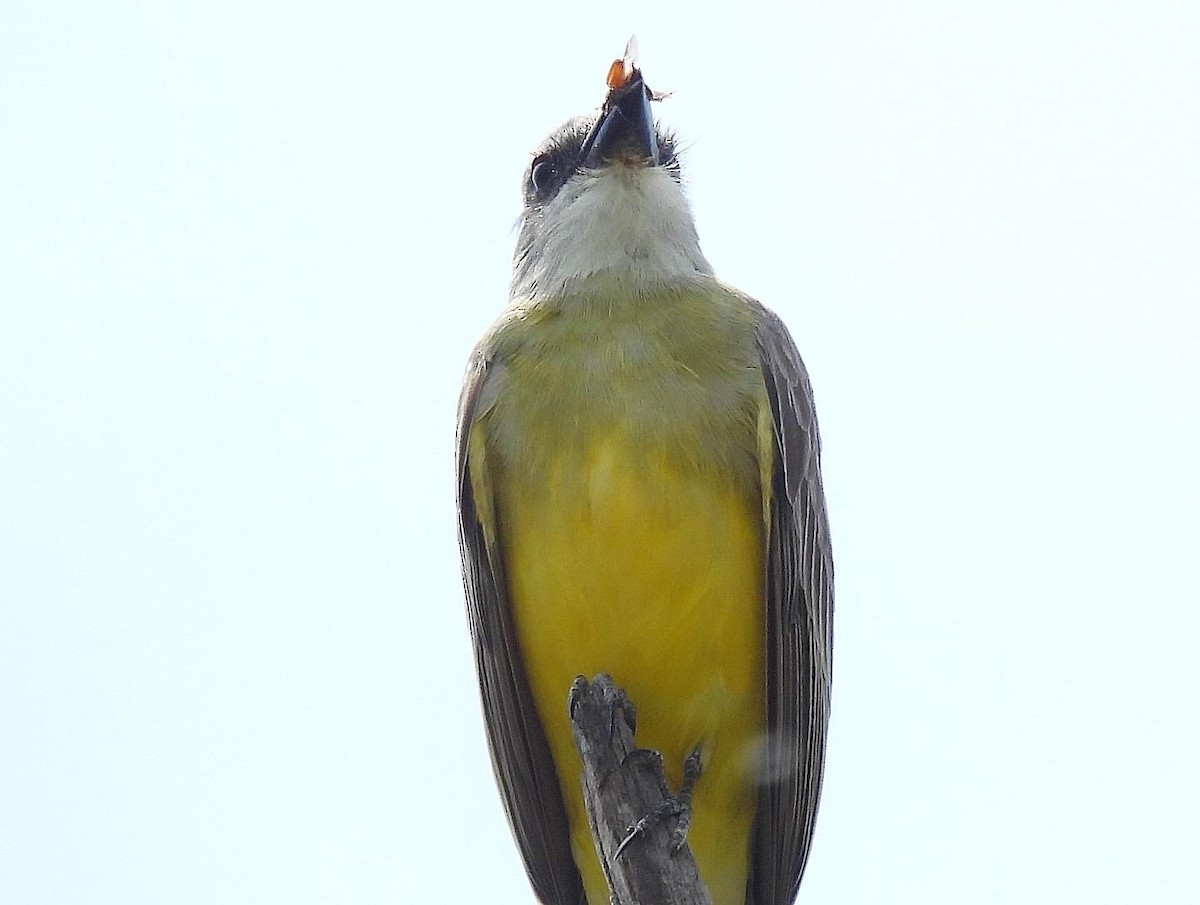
<point x="631" y="224"/>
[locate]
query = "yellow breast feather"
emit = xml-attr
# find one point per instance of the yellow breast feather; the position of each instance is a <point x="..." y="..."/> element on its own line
<point x="623" y="453"/>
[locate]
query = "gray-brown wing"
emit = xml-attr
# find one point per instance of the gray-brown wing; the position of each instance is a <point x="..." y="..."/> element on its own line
<point x="520" y="756"/>
<point x="799" y="628"/>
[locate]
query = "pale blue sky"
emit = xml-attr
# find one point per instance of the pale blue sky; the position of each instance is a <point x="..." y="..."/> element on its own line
<point x="245" y="249"/>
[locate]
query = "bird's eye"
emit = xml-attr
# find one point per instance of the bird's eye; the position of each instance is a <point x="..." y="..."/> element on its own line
<point x="542" y="175"/>
<point x="667" y="158"/>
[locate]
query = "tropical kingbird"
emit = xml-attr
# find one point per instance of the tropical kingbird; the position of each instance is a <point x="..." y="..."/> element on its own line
<point x="640" y="495"/>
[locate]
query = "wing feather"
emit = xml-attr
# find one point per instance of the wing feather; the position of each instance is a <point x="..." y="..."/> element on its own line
<point x="520" y="755"/>
<point x="800" y="625"/>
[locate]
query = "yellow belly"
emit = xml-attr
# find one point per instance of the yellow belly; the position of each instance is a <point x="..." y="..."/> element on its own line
<point x="635" y="564"/>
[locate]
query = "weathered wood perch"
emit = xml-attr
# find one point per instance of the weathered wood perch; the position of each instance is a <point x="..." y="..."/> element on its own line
<point x="622" y="785"/>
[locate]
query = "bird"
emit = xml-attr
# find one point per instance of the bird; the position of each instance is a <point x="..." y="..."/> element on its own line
<point x="639" y="494"/>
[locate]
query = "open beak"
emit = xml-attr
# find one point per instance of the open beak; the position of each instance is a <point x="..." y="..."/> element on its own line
<point x="625" y="130"/>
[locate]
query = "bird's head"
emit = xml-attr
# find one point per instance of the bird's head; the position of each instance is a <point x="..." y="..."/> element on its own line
<point x="604" y="199"/>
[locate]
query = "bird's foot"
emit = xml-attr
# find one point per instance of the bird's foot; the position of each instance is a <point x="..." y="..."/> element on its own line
<point x="676" y="807"/>
<point x="612" y="695"/>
